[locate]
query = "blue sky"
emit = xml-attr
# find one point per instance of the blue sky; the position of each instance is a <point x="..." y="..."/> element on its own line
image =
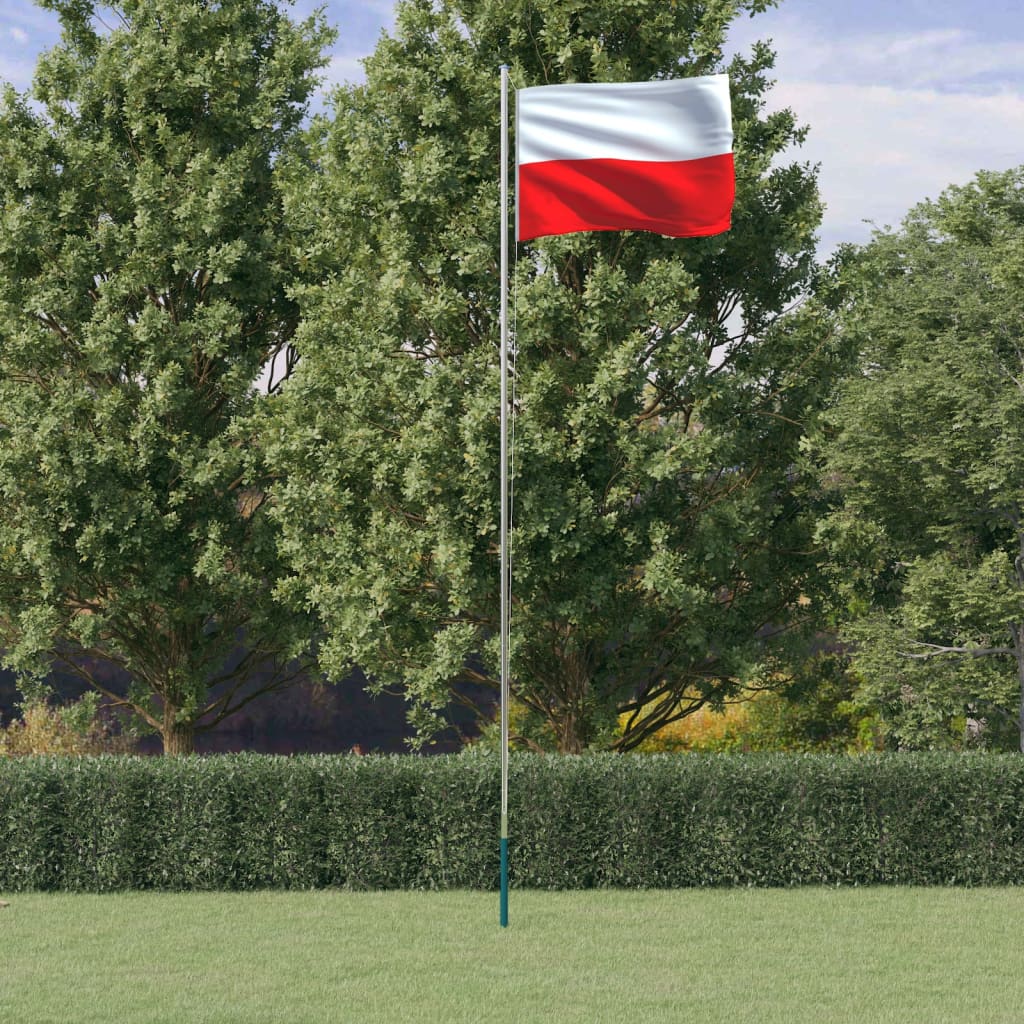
<point x="903" y="97"/>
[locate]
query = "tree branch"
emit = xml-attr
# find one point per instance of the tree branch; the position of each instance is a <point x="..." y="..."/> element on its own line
<point x="937" y="650"/>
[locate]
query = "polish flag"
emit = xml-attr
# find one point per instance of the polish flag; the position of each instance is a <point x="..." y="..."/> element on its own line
<point x="647" y="156"/>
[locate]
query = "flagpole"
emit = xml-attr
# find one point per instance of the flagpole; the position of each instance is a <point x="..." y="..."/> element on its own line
<point x="505" y="581"/>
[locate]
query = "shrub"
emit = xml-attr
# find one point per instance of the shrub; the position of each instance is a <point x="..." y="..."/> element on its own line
<point x="76" y="728"/>
<point x="251" y="821"/>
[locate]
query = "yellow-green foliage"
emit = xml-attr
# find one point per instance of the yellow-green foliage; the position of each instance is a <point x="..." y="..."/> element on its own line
<point x="71" y="729"/>
<point x="768" y="720"/>
<point x="705" y="730"/>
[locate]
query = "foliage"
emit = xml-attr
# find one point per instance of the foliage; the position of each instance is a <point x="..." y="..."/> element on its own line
<point x="924" y="457"/>
<point x="143" y="275"/>
<point x="708" y="730"/>
<point x="661" y="540"/>
<point x="814" y="712"/>
<point x="600" y="820"/>
<point x="75" y="728"/>
<point x="527" y="731"/>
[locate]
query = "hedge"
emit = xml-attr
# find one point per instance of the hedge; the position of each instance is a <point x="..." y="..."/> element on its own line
<point x="250" y="821"/>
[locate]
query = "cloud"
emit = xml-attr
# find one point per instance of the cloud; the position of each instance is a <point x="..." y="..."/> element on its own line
<point x="25" y="30"/>
<point x="896" y="118"/>
<point x="344" y="68"/>
<point x="883" y="149"/>
<point x="948" y="60"/>
<point x="17" y="71"/>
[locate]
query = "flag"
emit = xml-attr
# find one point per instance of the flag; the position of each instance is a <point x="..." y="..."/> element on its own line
<point x="647" y="156"/>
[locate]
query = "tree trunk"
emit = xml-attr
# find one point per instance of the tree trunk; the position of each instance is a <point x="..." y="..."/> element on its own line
<point x="569" y="739"/>
<point x="569" y="717"/>
<point x="178" y="737"/>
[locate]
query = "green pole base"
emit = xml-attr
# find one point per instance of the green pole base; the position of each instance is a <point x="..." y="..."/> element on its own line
<point x="504" y="882"/>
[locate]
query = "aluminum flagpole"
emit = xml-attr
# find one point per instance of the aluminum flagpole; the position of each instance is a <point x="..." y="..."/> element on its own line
<point x="505" y="581"/>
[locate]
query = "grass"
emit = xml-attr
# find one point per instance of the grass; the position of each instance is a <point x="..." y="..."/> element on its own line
<point x="868" y="956"/>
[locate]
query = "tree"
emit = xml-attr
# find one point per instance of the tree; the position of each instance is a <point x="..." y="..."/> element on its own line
<point x="143" y="284"/>
<point x="925" y="458"/>
<point x="661" y="537"/>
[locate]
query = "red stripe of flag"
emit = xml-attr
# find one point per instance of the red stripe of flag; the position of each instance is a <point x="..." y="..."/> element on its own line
<point x="682" y="198"/>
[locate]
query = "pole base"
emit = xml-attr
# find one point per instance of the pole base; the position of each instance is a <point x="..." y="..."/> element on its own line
<point x="504" y="882"/>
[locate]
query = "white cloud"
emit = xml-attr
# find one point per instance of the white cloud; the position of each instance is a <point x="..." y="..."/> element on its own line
<point x="896" y="118"/>
<point x="882" y="149"/>
<point x="949" y="60"/>
<point x="25" y="31"/>
<point x="927" y="40"/>
<point x="343" y="69"/>
<point x="16" y="71"/>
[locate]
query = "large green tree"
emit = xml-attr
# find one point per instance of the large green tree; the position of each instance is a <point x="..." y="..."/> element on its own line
<point x="925" y="457"/>
<point x="661" y="539"/>
<point x="144" y="266"/>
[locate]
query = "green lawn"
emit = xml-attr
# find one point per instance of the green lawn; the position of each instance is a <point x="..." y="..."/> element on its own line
<point x="913" y="956"/>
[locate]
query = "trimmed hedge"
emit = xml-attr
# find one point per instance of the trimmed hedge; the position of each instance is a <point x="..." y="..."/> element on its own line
<point x="249" y="821"/>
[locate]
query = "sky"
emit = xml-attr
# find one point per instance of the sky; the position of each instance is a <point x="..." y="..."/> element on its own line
<point x="902" y="97"/>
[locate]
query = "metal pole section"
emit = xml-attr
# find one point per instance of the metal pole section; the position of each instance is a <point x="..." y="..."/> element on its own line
<point x="505" y="581"/>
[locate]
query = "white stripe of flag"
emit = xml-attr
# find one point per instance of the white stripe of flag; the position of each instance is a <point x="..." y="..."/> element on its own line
<point x="653" y="156"/>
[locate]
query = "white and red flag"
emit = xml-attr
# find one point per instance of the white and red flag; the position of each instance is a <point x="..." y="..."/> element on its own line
<point x="647" y="156"/>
